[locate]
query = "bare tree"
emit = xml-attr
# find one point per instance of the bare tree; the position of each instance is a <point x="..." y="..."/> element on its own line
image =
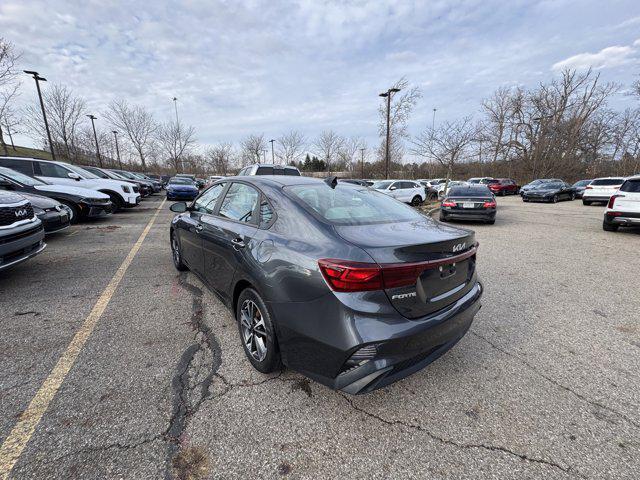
<point x="65" y="111"/>
<point x="221" y="157"/>
<point x="9" y="87"/>
<point x="174" y="140"/>
<point x="290" y="147"/>
<point x="327" y="146"/>
<point x="251" y="148"/>
<point x="138" y="125"/>
<point x="349" y="153"/>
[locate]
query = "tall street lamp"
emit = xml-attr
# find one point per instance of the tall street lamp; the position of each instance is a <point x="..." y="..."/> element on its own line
<point x="388" y="95"/>
<point x="36" y="76"/>
<point x="175" y="104"/>
<point x="433" y="120"/>
<point x="264" y="155"/>
<point x="95" y="136"/>
<point x="115" y="135"/>
<point x="273" y="155"/>
<point x="362" y="163"/>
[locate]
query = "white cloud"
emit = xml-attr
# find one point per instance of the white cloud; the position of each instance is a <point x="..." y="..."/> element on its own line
<point x="608" y="57"/>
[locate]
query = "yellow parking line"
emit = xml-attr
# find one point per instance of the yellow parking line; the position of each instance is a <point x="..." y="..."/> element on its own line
<point x="17" y="440"/>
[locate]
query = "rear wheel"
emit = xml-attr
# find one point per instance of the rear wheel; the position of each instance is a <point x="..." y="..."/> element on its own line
<point x="443" y="218"/>
<point x="257" y="332"/>
<point x="73" y="209"/>
<point x="417" y="200"/>
<point x="525" y="199"/>
<point x="586" y="202"/>
<point x="607" y="227"/>
<point x="491" y="222"/>
<point x="501" y="193"/>
<point x="176" y="253"/>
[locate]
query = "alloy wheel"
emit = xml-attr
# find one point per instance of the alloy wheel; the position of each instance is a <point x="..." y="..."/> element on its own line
<point x="175" y="250"/>
<point x="254" y="332"/>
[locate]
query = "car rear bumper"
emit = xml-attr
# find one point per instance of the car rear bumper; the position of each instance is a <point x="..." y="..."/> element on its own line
<point x="470" y="214"/>
<point x="403" y="346"/>
<point x="20" y="245"/>
<point x="596" y="198"/>
<point x="622" y="218"/>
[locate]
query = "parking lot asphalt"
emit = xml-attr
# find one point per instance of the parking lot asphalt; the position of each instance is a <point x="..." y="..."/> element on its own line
<point x="545" y="384"/>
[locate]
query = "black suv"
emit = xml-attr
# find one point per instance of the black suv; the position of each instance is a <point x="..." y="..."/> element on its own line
<point x="21" y="232"/>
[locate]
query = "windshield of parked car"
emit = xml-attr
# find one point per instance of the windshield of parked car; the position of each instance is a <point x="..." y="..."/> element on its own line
<point x="631" y="186"/>
<point x="180" y="181"/>
<point x="607" y="181"/>
<point x="350" y="205"/>
<point x="20" y="177"/>
<point x="382" y="184"/>
<point x="80" y="171"/>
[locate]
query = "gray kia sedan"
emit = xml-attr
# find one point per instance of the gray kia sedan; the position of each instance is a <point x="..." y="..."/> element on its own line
<point x="337" y="281"/>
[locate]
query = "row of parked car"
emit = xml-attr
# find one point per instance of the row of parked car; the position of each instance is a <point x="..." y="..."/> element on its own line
<point x="40" y="197"/>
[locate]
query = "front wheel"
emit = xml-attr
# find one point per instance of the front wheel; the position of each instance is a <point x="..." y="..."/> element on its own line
<point x="116" y="201"/>
<point x="555" y="199"/>
<point x="417" y="200"/>
<point x="74" y="211"/>
<point x="176" y="253"/>
<point x="257" y="332"/>
<point x="573" y="197"/>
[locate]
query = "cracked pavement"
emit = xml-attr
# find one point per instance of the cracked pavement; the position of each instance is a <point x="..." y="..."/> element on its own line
<point x="545" y="384"/>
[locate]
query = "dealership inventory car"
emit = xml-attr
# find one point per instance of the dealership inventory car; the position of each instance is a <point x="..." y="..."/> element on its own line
<point x="601" y="189"/>
<point x="53" y="215"/>
<point x="120" y="192"/>
<point x="533" y="184"/>
<point x="21" y="231"/>
<point x="336" y="281"/>
<point x="470" y="202"/>
<point x="406" y="191"/>
<point x="484" y="180"/>
<point x="138" y="187"/>
<point x="551" y="192"/>
<point x="81" y="203"/>
<point x="623" y="209"/>
<point x="146" y="186"/>
<point x="181" y="188"/>
<point x="440" y="188"/>
<point x="580" y="187"/>
<point x="501" y="186"/>
<point x="269" y="169"/>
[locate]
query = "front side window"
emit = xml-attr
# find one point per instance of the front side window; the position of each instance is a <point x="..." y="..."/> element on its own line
<point x="51" y="170"/>
<point x="207" y="201"/>
<point x="240" y="203"/>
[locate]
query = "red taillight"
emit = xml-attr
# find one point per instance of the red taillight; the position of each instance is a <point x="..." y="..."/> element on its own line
<point x="448" y="203"/>
<point x="344" y="276"/>
<point x="347" y="276"/>
<point x="489" y="205"/>
<point x="588" y="187"/>
<point x="612" y="200"/>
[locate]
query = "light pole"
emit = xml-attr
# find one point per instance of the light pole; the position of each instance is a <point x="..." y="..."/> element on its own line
<point x="433" y="120"/>
<point x="175" y="104"/>
<point x="95" y="136"/>
<point x="264" y="155"/>
<point x="387" y="95"/>
<point x="36" y="76"/>
<point x="273" y="155"/>
<point x="362" y="162"/>
<point x="115" y="135"/>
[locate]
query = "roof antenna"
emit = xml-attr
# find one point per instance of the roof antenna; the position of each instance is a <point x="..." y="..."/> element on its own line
<point x="331" y="181"/>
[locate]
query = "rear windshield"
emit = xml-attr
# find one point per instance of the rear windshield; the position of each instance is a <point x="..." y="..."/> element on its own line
<point x="631" y="186"/>
<point x="479" y="191"/>
<point x="181" y="181"/>
<point x="488" y="182"/>
<point x="582" y="183"/>
<point x="608" y="181"/>
<point x="292" y="171"/>
<point x="350" y="205"/>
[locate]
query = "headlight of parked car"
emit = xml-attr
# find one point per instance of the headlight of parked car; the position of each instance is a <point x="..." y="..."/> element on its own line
<point x="38" y="211"/>
<point x="126" y="188"/>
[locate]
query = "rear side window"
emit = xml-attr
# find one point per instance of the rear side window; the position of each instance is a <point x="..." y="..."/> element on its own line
<point x="207" y="201"/>
<point x="350" y="205"/>
<point x="292" y="171"/>
<point x="264" y="171"/>
<point x="608" y="181"/>
<point x="631" y="186"/>
<point x="22" y="166"/>
<point x="266" y="213"/>
<point x="240" y="203"/>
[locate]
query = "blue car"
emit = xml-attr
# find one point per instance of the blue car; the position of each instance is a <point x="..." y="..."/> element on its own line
<point x="181" y="188"/>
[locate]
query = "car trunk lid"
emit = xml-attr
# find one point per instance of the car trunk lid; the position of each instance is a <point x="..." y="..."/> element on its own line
<point x="440" y="260"/>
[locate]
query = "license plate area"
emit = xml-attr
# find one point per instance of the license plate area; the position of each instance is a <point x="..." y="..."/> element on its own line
<point x="468" y="205"/>
<point x="438" y="285"/>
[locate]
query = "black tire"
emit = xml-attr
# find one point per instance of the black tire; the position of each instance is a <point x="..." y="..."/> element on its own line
<point x="75" y="211"/>
<point x="501" y="193"/>
<point x="586" y="202"/>
<point x="176" y="254"/>
<point x="116" y="201"/>
<point x="572" y="197"/>
<point x="555" y="199"/>
<point x="260" y="332"/>
<point x="443" y="218"/>
<point x="491" y="222"/>
<point x="417" y="200"/>
<point x="607" y="227"/>
<point x="525" y="199"/>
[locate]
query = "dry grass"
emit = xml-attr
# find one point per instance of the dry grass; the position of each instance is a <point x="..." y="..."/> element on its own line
<point x="191" y="463"/>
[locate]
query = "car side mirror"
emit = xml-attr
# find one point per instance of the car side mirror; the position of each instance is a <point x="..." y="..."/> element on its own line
<point x="392" y="188"/>
<point x="178" y="207"/>
<point x="74" y="175"/>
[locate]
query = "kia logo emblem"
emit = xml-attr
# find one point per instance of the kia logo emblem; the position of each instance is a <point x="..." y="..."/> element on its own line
<point x="22" y="213"/>
<point x="459" y="247"/>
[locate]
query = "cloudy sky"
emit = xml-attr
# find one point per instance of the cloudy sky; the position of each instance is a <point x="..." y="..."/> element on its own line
<point x="240" y="67"/>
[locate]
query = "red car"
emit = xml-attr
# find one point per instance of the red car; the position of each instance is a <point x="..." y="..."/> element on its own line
<point x="502" y="186"/>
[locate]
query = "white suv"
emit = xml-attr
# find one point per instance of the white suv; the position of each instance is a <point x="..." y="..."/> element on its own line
<point x="60" y="173"/>
<point x="623" y="209"/>
<point x="406" y="191"/>
<point x="601" y="189"/>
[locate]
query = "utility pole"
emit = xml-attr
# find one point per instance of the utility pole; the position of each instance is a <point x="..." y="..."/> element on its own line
<point x="95" y="136"/>
<point x="387" y="95"/>
<point x="433" y="120"/>
<point x="115" y="135"/>
<point x="175" y="104"/>
<point x="273" y="155"/>
<point x="362" y="163"/>
<point x="38" y="79"/>
<point x="264" y="155"/>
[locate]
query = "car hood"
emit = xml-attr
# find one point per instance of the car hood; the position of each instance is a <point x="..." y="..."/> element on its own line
<point x="79" y="191"/>
<point x="10" y="197"/>
<point x="40" y="201"/>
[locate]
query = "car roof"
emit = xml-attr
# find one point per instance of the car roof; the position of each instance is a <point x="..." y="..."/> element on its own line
<point x="274" y="180"/>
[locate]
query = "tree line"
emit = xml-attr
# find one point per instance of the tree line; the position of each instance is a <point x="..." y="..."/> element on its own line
<point x="563" y="127"/>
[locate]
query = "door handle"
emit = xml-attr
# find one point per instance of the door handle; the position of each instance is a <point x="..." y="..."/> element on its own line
<point x="237" y="243"/>
<point x="199" y="227"/>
